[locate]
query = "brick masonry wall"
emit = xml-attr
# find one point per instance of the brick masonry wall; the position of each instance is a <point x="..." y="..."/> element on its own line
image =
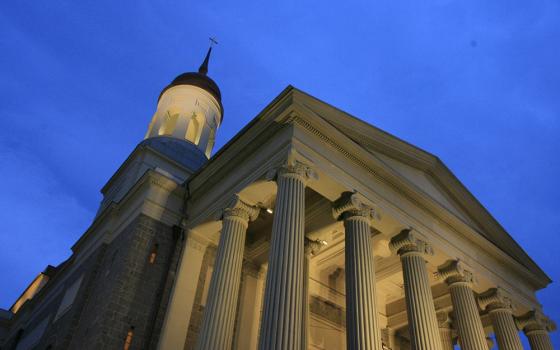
<point x="166" y="289"/>
<point x="35" y="311"/>
<point x="127" y="293"/>
<point x="120" y="289"/>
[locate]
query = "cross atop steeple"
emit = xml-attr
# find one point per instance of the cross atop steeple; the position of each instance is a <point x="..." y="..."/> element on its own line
<point x="204" y="66"/>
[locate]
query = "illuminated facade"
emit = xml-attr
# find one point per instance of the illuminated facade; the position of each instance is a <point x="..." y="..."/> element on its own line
<point x="310" y="229"/>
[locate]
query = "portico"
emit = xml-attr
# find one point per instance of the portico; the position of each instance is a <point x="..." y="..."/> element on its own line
<point x="408" y="259"/>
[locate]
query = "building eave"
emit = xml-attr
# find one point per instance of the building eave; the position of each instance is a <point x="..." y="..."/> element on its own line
<point x="384" y="142"/>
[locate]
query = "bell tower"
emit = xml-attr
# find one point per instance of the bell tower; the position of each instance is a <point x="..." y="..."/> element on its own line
<point x="190" y="109"/>
<point x="180" y="137"/>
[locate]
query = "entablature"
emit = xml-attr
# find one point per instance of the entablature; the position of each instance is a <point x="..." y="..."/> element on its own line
<point x="291" y="129"/>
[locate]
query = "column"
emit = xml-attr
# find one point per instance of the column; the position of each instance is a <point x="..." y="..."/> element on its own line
<point x="362" y="326"/>
<point x="312" y="247"/>
<point x="283" y="302"/>
<point x="467" y="319"/>
<point x="536" y="327"/>
<point x="445" y="330"/>
<point x="178" y="315"/>
<point x="219" y="315"/>
<point x="498" y="306"/>
<point x="420" y="309"/>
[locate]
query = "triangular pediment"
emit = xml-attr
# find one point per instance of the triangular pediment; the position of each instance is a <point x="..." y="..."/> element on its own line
<point x="407" y="161"/>
<point x="426" y="183"/>
<point x="418" y="174"/>
<point x="420" y="170"/>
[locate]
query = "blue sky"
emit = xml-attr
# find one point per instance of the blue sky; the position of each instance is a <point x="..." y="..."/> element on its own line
<point x="476" y="83"/>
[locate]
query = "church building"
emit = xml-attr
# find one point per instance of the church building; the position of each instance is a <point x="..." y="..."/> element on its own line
<point x="310" y="229"/>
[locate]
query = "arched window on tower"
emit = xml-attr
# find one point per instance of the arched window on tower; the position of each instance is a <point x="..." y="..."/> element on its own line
<point x="168" y="125"/>
<point x="211" y="141"/>
<point x="194" y="129"/>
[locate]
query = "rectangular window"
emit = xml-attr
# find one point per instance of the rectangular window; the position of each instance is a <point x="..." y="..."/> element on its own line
<point x="68" y="298"/>
<point x="128" y="339"/>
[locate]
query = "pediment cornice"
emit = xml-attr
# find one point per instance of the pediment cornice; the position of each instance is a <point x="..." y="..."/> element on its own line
<point x="355" y="140"/>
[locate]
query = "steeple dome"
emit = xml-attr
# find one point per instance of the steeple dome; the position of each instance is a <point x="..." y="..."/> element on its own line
<point x="189" y="109"/>
<point x="200" y="79"/>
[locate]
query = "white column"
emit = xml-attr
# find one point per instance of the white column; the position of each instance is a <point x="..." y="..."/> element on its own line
<point x="536" y="327"/>
<point x="467" y="319"/>
<point x="362" y="325"/>
<point x="283" y="302"/>
<point x="445" y="329"/>
<point x="178" y="315"/>
<point x="498" y="306"/>
<point x="219" y="314"/>
<point x="312" y="247"/>
<point x="420" y="309"/>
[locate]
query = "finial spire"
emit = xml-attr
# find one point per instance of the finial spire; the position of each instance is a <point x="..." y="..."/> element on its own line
<point x="204" y="66"/>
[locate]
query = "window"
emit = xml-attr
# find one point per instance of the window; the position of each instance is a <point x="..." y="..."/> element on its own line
<point x="211" y="140"/>
<point x="153" y="254"/>
<point x="194" y="128"/>
<point x="111" y="263"/>
<point x="68" y="298"/>
<point x="168" y="125"/>
<point x="128" y="339"/>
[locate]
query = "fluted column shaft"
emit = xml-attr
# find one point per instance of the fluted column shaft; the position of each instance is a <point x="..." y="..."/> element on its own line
<point x="505" y="330"/>
<point x="467" y="319"/>
<point x="221" y="306"/>
<point x="419" y="302"/>
<point x="536" y="326"/>
<point x="362" y="326"/>
<point x="305" y="330"/>
<point x="499" y="307"/>
<point x="283" y="303"/>
<point x="539" y="340"/>
<point x="446" y="335"/>
<point x="445" y="330"/>
<point x="420" y="308"/>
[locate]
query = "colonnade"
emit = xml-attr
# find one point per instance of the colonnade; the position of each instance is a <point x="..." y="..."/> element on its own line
<point x="284" y="319"/>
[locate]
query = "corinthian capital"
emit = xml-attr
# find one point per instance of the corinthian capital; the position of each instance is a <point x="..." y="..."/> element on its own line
<point x="238" y="208"/>
<point x="351" y="204"/>
<point x="293" y="168"/>
<point x="407" y="242"/>
<point x="494" y="299"/>
<point x="535" y="320"/>
<point x="455" y="271"/>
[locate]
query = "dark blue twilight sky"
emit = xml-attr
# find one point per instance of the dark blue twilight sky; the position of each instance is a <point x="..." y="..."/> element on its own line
<point x="475" y="82"/>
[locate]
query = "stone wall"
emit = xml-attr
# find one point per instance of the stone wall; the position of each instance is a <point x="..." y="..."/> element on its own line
<point x="121" y="291"/>
<point x="45" y="306"/>
<point x="126" y="296"/>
